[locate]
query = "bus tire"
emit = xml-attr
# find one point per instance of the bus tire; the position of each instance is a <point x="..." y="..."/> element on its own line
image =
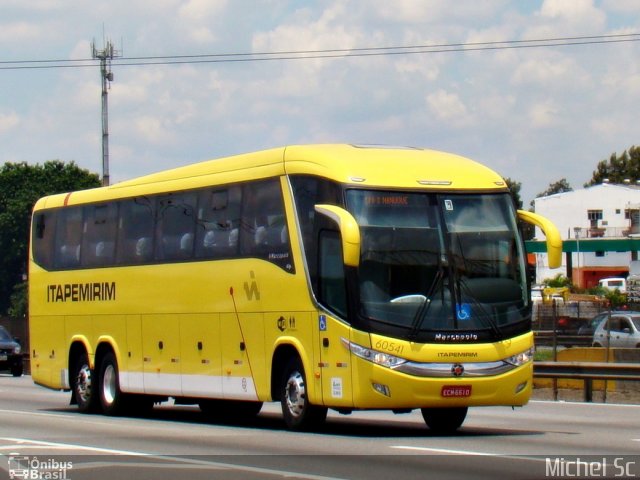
<point x="444" y="420"/>
<point x="298" y="413"/>
<point x="111" y="398"/>
<point x="84" y="391"/>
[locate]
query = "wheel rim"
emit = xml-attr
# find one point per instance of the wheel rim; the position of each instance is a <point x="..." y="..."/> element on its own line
<point x="109" y="384"/>
<point x="295" y="394"/>
<point x="83" y="384"/>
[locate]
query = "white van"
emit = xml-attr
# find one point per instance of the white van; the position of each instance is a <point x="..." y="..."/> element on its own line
<point x="614" y="283"/>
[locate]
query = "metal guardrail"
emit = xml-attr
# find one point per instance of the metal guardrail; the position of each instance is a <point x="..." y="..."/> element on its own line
<point x="587" y="371"/>
<point x="550" y="338"/>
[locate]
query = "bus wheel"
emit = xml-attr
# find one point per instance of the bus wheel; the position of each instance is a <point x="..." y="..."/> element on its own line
<point x="83" y="388"/>
<point x="298" y="413"/>
<point x="444" y="420"/>
<point x="111" y="398"/>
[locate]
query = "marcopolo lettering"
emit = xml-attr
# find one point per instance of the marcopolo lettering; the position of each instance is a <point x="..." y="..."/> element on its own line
<point x="81" y="292"/>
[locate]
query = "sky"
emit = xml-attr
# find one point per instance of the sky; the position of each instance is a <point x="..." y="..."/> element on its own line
<point x="535" y="114"/>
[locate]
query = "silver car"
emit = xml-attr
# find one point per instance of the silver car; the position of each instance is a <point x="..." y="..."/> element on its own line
<point x="622" y="331"/>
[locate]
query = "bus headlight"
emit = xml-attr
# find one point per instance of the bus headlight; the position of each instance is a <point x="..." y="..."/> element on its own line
<point x="521" y="358"/>
<point x="373" y="356"/>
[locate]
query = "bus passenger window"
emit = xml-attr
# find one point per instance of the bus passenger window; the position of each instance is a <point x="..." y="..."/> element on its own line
<point x="176" y="224"/>
<point x="264" y="232"/>
<point x="217" y="222"/>
<point x="99" y="239"/>
<point x="44" y="229"/>
<point x="135" y="231"/>
<point x="68" y="238"/>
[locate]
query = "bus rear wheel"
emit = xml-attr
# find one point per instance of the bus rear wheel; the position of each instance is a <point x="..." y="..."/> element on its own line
<point x="111" y="398"/>
<point x="298" y="412"/>
<point x="444" y="420"/>
<point x="83" y="385"/>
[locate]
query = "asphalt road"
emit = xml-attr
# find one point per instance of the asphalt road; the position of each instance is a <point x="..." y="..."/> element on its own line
<point x="42" y="436"/>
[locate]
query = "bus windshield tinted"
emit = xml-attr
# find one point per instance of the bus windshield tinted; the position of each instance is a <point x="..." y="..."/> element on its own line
<point x="446" y="267"/>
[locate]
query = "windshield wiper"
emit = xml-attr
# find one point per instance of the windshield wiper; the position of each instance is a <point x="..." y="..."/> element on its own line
<point x="421" y="314"/>
<point x="486" y="316"/>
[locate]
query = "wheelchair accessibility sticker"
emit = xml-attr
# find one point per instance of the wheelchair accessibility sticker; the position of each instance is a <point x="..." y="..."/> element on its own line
<point x="463" y="311"/>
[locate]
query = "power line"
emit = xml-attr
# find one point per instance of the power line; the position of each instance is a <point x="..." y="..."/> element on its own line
<point x="326" y="53"/>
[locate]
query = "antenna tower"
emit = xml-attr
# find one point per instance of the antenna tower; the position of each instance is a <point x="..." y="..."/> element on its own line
<point x="105" y="55"/>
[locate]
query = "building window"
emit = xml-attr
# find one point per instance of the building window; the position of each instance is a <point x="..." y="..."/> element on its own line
<point x="594" y="216"/>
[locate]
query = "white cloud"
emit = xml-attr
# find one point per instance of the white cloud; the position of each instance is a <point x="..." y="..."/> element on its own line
<point x="561" y="18"/>
<point x="18" y="31"/>
<point x="8" y="121"/>
<point x="624" y="6"/>
<point x="448" y="107"/>
<point x="550" y="70"/>
<point x="514" y="105"/>
<point x="544" y="114"/>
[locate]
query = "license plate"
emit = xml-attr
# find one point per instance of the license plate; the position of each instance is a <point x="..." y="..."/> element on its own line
<point x="3" y="358"/>
<point x="456" y="391"/>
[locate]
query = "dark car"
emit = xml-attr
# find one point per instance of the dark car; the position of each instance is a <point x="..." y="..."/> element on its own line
<point x="10" y="353"/>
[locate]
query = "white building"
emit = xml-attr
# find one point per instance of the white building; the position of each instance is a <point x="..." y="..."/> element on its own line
<point x="591" y="216"/>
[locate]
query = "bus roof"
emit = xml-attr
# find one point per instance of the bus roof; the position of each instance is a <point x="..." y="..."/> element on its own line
<point x="375" y="166"/>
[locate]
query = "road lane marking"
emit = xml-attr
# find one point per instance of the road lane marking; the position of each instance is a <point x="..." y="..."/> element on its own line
<point x="446" y="451"/>
<point x="28" y="443"/>
<point x="471" y="453"/>
<point x="178" y="462"/>
<point x="586" y="404"/>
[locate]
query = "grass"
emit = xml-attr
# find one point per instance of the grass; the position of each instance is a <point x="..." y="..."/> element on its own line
<point x="543" y="355"/>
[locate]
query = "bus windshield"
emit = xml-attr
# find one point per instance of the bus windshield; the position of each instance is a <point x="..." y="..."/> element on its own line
<point x="440" y="267"/>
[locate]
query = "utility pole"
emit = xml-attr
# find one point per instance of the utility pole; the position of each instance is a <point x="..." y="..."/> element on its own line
<point x="105" y="55"/>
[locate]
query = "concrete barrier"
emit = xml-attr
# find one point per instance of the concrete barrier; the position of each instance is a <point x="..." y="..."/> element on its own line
<point x="594" y="354"/>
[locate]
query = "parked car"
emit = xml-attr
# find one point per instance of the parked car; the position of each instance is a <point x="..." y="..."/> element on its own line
<point x="589" y="327"/>
<point x="622" y="330"/>
<point x="10" y="354"/>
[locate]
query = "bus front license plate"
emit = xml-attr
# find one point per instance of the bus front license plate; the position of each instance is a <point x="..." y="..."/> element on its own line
<point x="456" y="391"/>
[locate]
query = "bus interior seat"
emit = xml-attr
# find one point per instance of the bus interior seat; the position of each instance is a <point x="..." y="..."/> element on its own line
<point x="143" y="248"/>
<point x="69" y="255"/>
<point x="186" y="244"/>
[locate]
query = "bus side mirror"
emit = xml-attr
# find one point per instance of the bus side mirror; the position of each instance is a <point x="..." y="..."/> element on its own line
<point x="349" y="232"/>
<point x="554" y="241"/>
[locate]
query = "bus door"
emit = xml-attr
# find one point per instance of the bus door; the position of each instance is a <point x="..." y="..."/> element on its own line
<point x="161" y="354"/>
<point x="334" y="357"/>
<point x="335" y="362"/>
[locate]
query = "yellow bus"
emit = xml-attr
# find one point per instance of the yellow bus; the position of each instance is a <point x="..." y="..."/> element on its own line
<point x="322" y="276"/>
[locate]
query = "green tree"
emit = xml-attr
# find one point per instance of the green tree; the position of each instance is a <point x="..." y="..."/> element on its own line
<point x="560" y="186"/>
<point x="20" y="186"/>
<point x="618" y="168"/>
<point x="559" y="281"/>
<point x="514" y="189"/>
